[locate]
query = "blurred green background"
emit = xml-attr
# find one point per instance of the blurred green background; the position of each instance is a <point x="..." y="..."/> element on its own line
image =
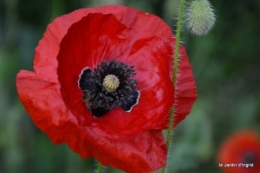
<point x="226" y="65"/>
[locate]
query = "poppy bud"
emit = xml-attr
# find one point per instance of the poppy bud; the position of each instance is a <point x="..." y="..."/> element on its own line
<point x="200" y="17"/>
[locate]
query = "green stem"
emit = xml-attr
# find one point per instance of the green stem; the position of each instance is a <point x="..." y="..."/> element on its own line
<point x="176" y="62"/>
<point x="177" y="43"/>
<point x="99" y="168"/>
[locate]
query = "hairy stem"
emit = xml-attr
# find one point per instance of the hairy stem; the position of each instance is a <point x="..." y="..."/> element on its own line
<point x="175" y="69"/>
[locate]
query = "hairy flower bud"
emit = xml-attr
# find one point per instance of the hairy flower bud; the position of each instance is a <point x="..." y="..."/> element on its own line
<point x="199" y="17"/>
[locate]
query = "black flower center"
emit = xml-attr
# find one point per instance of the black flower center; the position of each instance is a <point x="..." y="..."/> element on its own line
<point x="109" y="85"/>
<point x="249" y="157"/>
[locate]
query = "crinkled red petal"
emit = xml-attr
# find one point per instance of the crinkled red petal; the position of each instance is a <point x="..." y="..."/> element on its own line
<point x="45" y="59"/>
<point x="98" y="37"/>
<point x="145" y="153"/>
<point x="45" y="62"/>
<point x="43" y="101"/>
<point x="233" y="149"/>
<point x="186" y="92"/>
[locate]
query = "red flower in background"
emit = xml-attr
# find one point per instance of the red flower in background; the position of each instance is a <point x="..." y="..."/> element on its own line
<point x="119" y="121"/>
<point x="240" y="153"/>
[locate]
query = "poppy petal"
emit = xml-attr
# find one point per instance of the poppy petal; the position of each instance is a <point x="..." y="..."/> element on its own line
<point x="150" y="56"/>
<point x="156" y="96"/>
<point x="45" y="62"/>
<point x="144" y="153"/>
<point x="43" y="102"/>
<point x="186" y="92"/>
<point x="45" y="59"/>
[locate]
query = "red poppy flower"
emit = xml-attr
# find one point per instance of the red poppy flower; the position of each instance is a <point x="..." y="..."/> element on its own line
<point x="240" y="153"/>
<point x="102" y="84"/>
